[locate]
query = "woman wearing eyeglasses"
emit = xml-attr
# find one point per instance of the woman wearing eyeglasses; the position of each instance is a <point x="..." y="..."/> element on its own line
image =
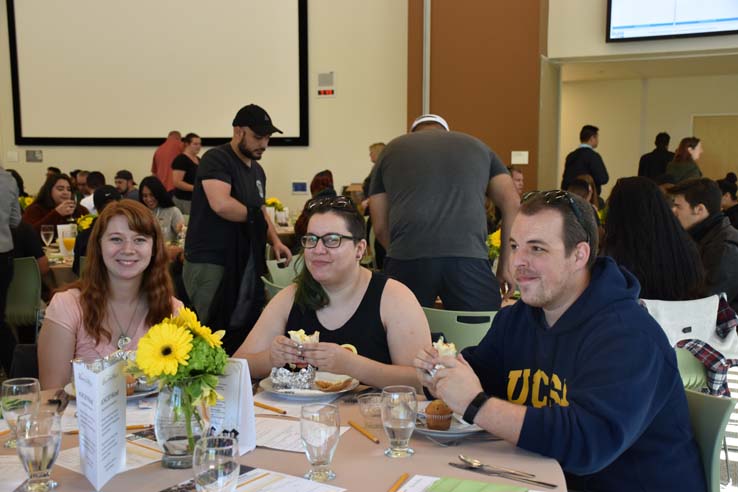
<point x="346" y="303"/>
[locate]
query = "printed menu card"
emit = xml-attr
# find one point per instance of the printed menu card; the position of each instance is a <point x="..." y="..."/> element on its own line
<point x="101" y="415"/>
<point x="234" y="414"/>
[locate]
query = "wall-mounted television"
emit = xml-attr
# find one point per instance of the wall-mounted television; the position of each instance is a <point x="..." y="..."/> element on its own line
<point x="635" y="20"/>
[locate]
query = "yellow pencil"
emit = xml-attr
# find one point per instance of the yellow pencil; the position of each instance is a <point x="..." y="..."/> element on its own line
<point x="270" y="408"/>
<point x="366" y="433"/>
<point x="6" y="431"/>
<point x="128" y="428"/>
<point x="398" y="483"/>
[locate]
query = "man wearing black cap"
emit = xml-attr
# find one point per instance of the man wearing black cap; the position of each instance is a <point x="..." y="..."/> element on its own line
<point x="229" y="228"/>
<point x="125" y="184"/>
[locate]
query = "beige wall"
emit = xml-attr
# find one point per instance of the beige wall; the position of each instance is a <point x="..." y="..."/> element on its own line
<point x="364" y="43"/>
<point x="629" y="113"/>
<point x="577" y="28"/>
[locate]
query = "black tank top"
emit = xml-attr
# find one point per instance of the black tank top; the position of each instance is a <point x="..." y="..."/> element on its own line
<point x="364" y="329"/>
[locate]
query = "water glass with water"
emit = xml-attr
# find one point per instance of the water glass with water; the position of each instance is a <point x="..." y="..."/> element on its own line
<point x="319" y="432"/>
<point x="399" y="411"/>
<point x="215" y="465"/>
<point x="39" y="438"/>
<point x="18" y="396"/>
<point x="47" y="234"/>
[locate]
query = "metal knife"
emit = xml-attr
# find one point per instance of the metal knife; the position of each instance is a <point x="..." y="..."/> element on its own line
<point x="508" y="476"/>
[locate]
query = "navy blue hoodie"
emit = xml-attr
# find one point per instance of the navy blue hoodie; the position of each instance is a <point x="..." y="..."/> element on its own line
<point x="602" y="388"/>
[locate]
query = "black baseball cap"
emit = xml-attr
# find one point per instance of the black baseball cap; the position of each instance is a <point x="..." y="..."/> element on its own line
<point x="255" y="118"/>
<point x="124" y="174"/>
<point x="104" y="195"/>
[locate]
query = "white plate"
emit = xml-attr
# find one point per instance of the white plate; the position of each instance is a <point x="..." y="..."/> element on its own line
<point x="458" y="427"/>
<point x="310" y="394"/>
<point x="69" y="389"/>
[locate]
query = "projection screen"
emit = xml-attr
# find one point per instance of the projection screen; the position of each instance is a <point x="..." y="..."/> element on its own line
<point x="103" y="72"/>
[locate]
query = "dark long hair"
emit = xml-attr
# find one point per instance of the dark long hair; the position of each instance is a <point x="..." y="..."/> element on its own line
<point x="94" y="285"/>
<point x="310" y="294"/>
<point x="643" y="235"/>
<point x="728" y="185"/>
<point x="682" y="152"/>
<point x="44" y="194"/>
<point x="157" y="189"/>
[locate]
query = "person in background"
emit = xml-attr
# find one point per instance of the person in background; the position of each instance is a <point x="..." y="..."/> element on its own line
<point x="346" y="303"/>
<point x="518" y="179"/>
<point x="595" y="199"/>
<point x="155" y="197"/>
<point x="229" y="228"/>
<point x="54" y="204"/>
<point x="684" y="166"/>
<point x="125" y="290"/>
<point x="427" y="207"/>
<point x="585" y="160"/>
<point x="95" y="180"/>
<point x="321" y="186"/>
<point x="697" y="207"/>
<point x="10" y="216"/>
<point x="584" y="189"/>
<point x="184" y="171"/>
<point x="729" y="202"/>
<point x="576" y="370"/>
<point x="125" y="184"/>
<point x="653" y="164"/>
<point x="82" y="190"/>
<point x="18" y="182"/>
<point x="52" y="170"/>
<point x="379" y="252"/>
<point x="161" y="164"/>
<point x="102" y="196"/>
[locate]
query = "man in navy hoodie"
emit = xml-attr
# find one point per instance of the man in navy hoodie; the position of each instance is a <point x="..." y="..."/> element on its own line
<point x="576" y="370"/>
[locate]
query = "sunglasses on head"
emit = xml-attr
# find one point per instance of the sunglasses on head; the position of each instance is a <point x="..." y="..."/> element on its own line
<point x="339" y="202"/>
<point x="554" y="197"/>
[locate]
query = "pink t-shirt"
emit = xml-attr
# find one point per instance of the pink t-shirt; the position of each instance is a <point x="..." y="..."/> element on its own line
<point x="65" y="311"/>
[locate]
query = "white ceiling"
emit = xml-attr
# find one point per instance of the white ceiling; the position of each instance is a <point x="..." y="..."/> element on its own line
<point x="647" y="68"/>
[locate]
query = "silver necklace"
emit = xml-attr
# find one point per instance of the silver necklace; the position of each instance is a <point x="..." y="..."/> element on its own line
<point x="124" y="339"/>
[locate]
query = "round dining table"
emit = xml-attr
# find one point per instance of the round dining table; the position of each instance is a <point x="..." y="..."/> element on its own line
<point x="359" y="463"/>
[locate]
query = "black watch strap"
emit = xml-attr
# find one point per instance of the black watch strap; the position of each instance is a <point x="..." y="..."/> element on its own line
<point x="471" y="411"/>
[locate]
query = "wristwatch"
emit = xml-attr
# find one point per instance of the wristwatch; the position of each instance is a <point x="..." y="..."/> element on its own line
<point x="474" y="406"/>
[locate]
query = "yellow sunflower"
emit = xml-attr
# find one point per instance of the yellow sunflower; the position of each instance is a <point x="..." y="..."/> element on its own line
<point x="205" y="333"/>
<point x="186" y="317"/>
<point x="163" y="349"/>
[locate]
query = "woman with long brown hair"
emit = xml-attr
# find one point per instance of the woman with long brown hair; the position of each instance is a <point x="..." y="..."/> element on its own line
<point x="684" y="166"/>
<point x="54" y="204"/>
<point x="124" y="290"/>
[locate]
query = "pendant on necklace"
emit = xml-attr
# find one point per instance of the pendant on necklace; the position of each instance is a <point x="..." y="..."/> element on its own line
<point x="123" y="340"/>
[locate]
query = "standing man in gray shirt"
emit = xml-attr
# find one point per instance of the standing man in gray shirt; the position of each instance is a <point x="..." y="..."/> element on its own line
<point x="427" y="205"/>
<point x="10" y="216"/>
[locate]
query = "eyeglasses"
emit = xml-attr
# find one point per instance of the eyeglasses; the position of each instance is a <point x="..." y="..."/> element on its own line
<point x="560" y="196"/>
<point x="330" y="240"/>
<point x="339" y="202"/>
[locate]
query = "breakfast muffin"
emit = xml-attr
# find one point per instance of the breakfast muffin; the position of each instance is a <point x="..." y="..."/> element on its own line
<point x="438" y="415"/>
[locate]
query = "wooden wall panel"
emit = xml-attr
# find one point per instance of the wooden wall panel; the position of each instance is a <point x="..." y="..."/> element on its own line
<point x="485" y="71"/>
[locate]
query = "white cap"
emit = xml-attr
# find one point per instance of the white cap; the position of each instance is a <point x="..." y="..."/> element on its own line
<point x="429" y="118"/>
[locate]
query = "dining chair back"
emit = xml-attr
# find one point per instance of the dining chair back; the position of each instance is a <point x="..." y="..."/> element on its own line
<point x="709" y="415"/>
<point x="24" y="295"/>
<point x="283" y="276"/>
<point x="464" y="328"/>
<point x="270" y="288"/>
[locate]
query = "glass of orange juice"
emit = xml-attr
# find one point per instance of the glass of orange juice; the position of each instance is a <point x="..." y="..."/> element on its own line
<point x="69" y="236"/>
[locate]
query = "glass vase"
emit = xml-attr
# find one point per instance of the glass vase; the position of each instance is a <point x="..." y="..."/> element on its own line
<point x="179" y="425"/>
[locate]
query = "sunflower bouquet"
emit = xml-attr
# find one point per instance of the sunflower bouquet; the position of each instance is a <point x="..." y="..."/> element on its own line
<point x="84" y="222"/>
<point x="494" y="242"/>
<point x="180" y="352"/>
<point x="274" y="202"/>
<point x="25" y="201"/>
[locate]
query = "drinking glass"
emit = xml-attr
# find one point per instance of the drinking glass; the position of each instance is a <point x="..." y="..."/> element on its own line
<point x="370" y="407"/>
<point x="69" y="236"/>
<point x="214" y="463"/>
<point x="319" y="432"/>
<point x="17" y="397"/>
<point x="39" y="439"/>
<point x="399" y="411"/>
<point x="47" y="234"/>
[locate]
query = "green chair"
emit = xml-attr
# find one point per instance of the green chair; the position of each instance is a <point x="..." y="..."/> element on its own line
<point x="270" y="288"/>
<point x="464" y="328"/>
<point x="24" y="295"/>
<point x="692" y="371"/>
<point x="285" y="276"/>
<point x="709" y="415"/>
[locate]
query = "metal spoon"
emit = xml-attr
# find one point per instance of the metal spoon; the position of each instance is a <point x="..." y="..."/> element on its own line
<point x="475" y="463"/>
